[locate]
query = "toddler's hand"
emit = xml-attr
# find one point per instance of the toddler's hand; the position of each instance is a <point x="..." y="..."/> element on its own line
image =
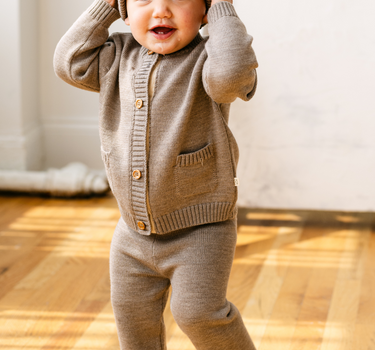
<point x="113" y="3"/>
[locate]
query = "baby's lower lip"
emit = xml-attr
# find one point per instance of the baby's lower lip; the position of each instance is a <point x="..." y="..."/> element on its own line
<point x="162" y="35"/>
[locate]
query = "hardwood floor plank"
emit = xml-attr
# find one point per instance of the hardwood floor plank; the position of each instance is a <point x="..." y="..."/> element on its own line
<point x="262" y="299"/>
<point x="101" y="333"/>
<point x="340" y="330"/>
<point x="364" y="335"/>
<point x="310" y="325"/>
<point x="248" y="261"/>
<point x="283" y="320"/>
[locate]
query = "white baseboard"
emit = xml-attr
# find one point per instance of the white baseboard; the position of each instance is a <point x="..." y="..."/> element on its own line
<point x="22" y="152"/>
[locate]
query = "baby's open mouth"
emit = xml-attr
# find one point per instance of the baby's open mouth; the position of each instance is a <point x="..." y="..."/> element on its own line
<point x="162" y="30"/>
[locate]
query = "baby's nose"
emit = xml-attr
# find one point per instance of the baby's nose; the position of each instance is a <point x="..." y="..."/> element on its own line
<point x="161" y="9"/>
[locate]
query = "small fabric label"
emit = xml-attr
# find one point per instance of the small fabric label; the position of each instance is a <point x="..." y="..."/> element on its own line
<point x="236" y="181"/>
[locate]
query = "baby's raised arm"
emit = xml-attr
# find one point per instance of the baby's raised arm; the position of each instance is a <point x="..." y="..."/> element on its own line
<point x="229" y="71"/>
<point x="85" y="53"/>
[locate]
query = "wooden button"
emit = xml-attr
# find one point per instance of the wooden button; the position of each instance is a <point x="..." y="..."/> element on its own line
<point x="139" y="103"/>
<point x="149" y="52"/>
<point x="141" y="225"/>
<point x="137" y="174"/>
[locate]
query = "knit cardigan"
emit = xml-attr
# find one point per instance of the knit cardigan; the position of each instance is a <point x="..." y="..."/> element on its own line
<point x="188" y="173"/>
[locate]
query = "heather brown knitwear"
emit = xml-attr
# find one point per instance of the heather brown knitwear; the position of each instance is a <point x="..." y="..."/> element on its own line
<point x="171" y="162"/>
<point x="196" y="263"/>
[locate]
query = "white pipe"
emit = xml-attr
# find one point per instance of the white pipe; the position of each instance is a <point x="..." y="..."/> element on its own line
<point x="74" y="179"/>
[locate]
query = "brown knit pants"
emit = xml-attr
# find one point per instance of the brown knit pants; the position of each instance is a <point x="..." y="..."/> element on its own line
<point x="196" y="262"/>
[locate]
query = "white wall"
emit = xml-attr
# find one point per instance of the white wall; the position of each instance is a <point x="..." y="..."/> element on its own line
<point x="305" y="139"/>
<point x="20" y="129"/>
<point x="70" y="115"/>
<point x="10" y="111"/>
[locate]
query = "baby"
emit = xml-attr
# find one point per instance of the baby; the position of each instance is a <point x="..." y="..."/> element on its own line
<point x="170" y="158"/>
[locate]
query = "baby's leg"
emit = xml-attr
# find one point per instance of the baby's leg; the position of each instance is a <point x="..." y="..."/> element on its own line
<point x="138" y="293"/>
<point x="198" y="261"/>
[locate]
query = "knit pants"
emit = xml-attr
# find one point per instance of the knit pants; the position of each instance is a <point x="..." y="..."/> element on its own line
<point x="196" y="263"/>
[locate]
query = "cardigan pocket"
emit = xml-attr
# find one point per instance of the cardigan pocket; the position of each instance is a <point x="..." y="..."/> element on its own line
<point x="107" y="165"/>
<point x="195" y="173"/>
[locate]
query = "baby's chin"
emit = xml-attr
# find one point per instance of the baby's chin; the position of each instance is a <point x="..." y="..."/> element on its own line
<point x="162" y="48"/>
<point x="166" y="47"/>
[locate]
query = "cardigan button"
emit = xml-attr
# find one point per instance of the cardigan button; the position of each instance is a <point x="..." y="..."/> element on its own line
<point x="141" y="225"/>
<point x="150" y="52"/>
<point x="139" y="103"/>
<point x="137" y="174"/>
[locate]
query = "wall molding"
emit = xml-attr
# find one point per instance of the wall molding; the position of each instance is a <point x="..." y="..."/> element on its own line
<point x="22" y="152"/>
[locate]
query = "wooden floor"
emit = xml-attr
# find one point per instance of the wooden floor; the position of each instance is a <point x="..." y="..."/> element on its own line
<point x="302" y="280"/>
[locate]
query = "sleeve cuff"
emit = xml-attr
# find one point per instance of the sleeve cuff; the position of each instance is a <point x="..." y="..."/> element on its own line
<point x="103" y="12"/>
<point x="219" y="10"/>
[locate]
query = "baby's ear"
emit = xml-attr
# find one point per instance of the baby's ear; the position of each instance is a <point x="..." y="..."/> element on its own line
<point x="205" y="20"/>
<point x="127" y="21"/>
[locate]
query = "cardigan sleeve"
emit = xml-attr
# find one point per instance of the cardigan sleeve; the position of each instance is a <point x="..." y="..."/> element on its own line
<point x="230" y="68"/>
<point x="85" y="53"/>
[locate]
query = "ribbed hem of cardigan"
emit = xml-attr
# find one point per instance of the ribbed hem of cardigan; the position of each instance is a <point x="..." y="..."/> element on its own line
<point x="103" y="12"/>
<point x="219" y="10"/>
<point x="206" y="213"/>
<point x="195" y="215"/>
